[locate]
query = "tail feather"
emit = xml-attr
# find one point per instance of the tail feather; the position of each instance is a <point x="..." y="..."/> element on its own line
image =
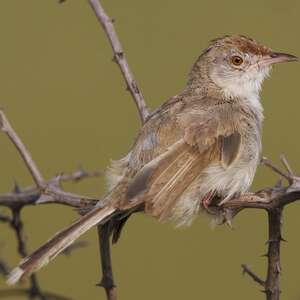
<point x="58" y="243"/>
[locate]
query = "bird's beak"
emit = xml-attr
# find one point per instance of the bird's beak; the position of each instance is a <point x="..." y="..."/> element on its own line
<point x="276" y="57"/>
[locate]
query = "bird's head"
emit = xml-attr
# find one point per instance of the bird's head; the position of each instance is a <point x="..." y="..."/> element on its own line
<point x="238" y="64"/>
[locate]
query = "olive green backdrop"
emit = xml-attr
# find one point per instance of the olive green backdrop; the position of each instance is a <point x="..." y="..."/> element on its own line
<point x="68" y="102"/>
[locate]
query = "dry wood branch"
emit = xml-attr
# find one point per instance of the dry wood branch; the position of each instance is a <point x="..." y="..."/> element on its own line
<point x="273" y="200"/>
<point x="270" y="165"/>
<point x="120" y="59"/>
<point x="286" y="165"/>
<point x="16" y="224"/>
<point x="31" y="195"/>
<point x="44" y="192"/>
<point x="12" y="135"/>
<point x="274" y="269"/>
<point x="257" y="279"/>
<point x="50" y="191"/>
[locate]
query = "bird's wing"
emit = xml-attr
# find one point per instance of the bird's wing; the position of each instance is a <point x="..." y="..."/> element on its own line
<point x="166" y="177"/>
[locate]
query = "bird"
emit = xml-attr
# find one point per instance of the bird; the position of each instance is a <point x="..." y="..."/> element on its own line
<point x="199" y="149"/>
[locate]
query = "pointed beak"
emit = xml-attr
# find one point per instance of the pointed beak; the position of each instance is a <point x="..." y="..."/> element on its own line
<point x="276" y="57"/>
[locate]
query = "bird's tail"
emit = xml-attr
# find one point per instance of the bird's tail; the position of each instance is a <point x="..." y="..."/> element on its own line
<point x="59" y="242"/>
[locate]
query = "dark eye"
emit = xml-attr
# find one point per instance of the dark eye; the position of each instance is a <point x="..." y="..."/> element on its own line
<point x="236" y="60"/>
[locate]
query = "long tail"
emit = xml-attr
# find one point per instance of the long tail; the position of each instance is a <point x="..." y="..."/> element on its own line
<point x="58" y="243"/>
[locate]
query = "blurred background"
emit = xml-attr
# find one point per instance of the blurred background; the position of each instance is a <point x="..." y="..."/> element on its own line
<point x="67" y="100"/>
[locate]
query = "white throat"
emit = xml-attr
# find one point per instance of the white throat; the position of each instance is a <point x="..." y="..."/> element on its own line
<point x="245" y="87"/>
<point x="247" y="91"/>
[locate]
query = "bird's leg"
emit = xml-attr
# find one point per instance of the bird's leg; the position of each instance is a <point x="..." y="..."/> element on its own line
<point x="207" y="200"/>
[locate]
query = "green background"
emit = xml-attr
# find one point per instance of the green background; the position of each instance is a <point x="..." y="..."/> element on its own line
<point x="68" y="102"/>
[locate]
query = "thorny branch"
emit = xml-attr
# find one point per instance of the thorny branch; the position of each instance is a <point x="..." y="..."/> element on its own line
<point x="49" y="191"/>
<point x="32" y="167"/>
<point x="119" y="57"/>
<point x="272" y="199"/>
<point x="107" y="24"/>
<point x="44" y="192"/>
<point x="34" y="291"/>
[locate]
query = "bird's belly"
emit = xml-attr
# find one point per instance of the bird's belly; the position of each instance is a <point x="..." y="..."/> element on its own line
<point x="227" y="182"/>
<point x="235" y="179"/>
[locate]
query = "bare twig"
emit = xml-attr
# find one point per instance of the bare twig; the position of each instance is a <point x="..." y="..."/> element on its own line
<point x="50" y="191"/>
<point x="17" y="225"/>
<point x="270" y="165"/>
<point x="119" y="57"/>
<point x="44" y="192"/>
<point x="31" y="195"/>
<point x="286" y="165"/>
<point x="248" y="271"/>
<point x="54" y="194"/>
<point x="12" y="135"/>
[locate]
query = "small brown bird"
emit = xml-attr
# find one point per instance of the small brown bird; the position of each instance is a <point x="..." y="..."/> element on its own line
<point x="200" y="147"/>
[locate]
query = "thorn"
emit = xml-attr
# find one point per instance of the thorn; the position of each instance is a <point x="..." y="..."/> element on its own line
<point x="113" y="20"/>
<point x="106" y="285"/>
<point x="135" y="87"/>
<point x="286" y="164"/>
<point x="272" y="241"/>
<point x="56" y="180"/>
<point x="114" y="59"/>
<point x="278" y="268"/>
<point x="264" y="255"/>
<point x="279" y="184"/>
<point x="44" y="199"/>
<point x="283" y="240"/>
<point x="16" y="189"/>
<point x="120" y="54"/>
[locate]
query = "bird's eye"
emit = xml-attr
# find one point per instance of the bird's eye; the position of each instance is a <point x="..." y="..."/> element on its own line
<point x="236" y="60"/>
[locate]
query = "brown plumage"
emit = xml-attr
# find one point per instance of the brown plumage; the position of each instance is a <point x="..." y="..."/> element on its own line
<point x="201" y="144"/>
